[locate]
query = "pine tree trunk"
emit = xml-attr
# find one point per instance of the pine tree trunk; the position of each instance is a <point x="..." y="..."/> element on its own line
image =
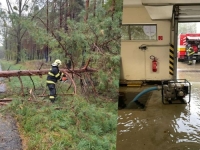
<point x="86" y="9"/>
<point x="61" y="14"/>
<point x="68" y="7"/>
<point x="19" y="34"/>
<point x="47" y="47"/>
<point x="6" y="42"/>
<point x="102" y="2"/>
<point x="73" y="11"/>
<point x="113" y="8"/>
<point x="94" y="9"/>
<point x="16" y="73"/>
<point x="18" y="52"/>
<point x="66" y="14"/>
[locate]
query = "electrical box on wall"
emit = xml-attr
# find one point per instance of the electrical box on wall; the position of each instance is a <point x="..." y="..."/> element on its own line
<point x="160" y="37"/>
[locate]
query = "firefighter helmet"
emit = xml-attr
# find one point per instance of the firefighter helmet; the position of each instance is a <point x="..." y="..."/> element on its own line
<point x="57" y="62"/>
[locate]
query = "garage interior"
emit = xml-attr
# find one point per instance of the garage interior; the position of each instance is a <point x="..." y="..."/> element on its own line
<point x="151" y="124"/>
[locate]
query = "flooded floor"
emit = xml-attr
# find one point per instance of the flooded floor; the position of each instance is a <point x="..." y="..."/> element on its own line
<point x="167" y="127"/>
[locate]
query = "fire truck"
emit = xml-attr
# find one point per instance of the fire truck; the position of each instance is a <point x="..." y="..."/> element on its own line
<point x="194" y="40"/>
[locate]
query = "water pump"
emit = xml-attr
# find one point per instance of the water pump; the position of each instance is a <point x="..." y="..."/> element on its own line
<point x="175" y="90"/>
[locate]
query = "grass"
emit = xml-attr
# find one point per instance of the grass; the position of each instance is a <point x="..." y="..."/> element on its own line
<point x="71" y="123"/>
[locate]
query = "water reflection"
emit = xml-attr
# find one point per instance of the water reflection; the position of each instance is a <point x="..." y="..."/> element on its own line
<point x="167" y="127"/>
<point x="2" y="85"/>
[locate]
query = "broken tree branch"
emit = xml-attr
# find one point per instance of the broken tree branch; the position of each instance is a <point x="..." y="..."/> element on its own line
<point x="5" y="100"/>
<point x="32" y="82"/>
<point x="86" y="66"/>
<point x="65" y="72"/>
<point x="22" y="87"/>
<point x="3" y="103"/>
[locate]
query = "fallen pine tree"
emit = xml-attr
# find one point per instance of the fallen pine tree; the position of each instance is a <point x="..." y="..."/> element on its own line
<point x="16" y="73"/>
<point x="68" y="72"/>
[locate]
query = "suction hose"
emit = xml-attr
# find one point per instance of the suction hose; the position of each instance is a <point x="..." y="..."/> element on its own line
<point x="142" y="93"/>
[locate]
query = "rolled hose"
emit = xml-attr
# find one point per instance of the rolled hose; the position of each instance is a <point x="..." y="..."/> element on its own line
<point x="144" y="92"/>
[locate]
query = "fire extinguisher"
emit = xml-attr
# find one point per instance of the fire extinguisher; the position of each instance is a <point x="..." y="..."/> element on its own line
<point x="154" y="63"/>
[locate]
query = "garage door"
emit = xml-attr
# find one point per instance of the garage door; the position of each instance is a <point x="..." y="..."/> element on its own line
<point x="189" y="13"/>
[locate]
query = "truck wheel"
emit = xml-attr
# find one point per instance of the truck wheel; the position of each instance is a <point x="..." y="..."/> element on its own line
<point x="180" y="60"/>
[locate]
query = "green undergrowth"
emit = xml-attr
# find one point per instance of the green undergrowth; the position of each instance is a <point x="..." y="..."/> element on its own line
<point x="71" y="123"/>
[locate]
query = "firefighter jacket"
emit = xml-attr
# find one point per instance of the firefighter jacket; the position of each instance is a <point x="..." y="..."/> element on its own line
<point x="54" y="75"/>
<point x="190" y="51"/>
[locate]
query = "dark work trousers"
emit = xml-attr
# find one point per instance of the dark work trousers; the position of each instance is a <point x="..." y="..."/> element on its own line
<point x="190" y="58"/>
<point x="52" y="89"/>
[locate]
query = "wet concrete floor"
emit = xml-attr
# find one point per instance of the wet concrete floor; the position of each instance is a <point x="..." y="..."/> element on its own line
<point x="163" y="127"/>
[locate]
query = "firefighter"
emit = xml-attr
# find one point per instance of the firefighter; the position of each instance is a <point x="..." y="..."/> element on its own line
<point x="190" y="53"/>
<point x="53" y="76"/>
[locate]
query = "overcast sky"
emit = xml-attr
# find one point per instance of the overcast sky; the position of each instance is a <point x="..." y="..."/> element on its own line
<point x="198" y="27"/>
<point x="3" y="4"/>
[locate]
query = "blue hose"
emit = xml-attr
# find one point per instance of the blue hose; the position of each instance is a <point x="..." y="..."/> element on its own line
<point x="144" y="92"/>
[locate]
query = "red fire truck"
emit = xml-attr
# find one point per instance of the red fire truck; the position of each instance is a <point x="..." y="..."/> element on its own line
<point x="194" y="40"/>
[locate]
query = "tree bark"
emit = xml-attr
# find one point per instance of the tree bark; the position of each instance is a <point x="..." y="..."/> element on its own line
<point x="66" y="15"/>
<point x="47" y="28"/>
<point x="94" y="8"/>
<point x="113" y="8"/>
<point x="19" y="34"/>
<point x="61" y="15"/>
<point x="18" y="52"/>
<point x="86" y="9"/>
<point x="102" y="2"/>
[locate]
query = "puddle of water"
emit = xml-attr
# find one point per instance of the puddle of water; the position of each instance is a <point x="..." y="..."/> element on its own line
<point x="2" y="85"/>
<point x="2" y="88"/>
<point x="167" y="127"/>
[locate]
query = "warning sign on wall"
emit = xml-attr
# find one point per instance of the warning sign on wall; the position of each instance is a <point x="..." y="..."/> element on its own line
<point x="160" y="37"/>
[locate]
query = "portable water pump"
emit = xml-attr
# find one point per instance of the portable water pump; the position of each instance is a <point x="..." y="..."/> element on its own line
<point x="174" y="90"/>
